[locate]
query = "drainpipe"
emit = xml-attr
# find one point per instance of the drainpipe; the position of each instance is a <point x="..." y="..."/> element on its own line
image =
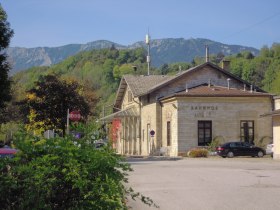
<point x="140" y="128"/>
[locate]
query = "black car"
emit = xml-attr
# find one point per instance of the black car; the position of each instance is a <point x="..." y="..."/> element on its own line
<point x="232" y="149"/>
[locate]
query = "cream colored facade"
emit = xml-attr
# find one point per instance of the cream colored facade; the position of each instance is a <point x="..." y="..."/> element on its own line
<point x="277" y="103"/>
<point x="225" y="115"/>
<point x="276" y="137"/>
<point x="175" y="107"/>
<point x="276" y="129"/>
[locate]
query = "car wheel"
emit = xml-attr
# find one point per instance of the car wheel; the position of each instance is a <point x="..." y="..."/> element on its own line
<point x="230" y="154"/>
<point x="260" y="154"/>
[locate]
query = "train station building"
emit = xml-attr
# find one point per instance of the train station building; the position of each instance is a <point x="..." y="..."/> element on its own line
<point x="169" y="115"/>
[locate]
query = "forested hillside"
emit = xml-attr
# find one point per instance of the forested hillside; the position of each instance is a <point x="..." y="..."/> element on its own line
<point x="98" y="70"/>
<point x="163" y="51"/>
<point x="101" y="70"/>
<point x="262" y="70"/>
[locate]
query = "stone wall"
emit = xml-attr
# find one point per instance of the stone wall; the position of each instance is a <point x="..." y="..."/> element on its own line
<point x="170" y="114"/>
<point x="276" y="136"/>
<point x="225" y="114"/>
<point x="277" y="102"/>
<point x="184" y="113"/>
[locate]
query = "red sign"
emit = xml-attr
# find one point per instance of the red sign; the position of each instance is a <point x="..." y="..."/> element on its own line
<point x="75" y="116"/>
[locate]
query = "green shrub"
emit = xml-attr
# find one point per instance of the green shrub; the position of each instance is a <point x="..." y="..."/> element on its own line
<point x="218" y="140"/>
<point x="264" y="141"/>
<point x="60" y="173"/>
<point x="198" y="152"/>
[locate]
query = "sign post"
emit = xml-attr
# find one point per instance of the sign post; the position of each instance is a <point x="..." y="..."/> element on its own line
<point x="152" y="134"/>
<point x="73" y="116"/>
<point x="67" y="125"/>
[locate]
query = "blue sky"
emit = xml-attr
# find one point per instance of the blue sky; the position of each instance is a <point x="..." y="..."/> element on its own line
<point x="52" y="23"/>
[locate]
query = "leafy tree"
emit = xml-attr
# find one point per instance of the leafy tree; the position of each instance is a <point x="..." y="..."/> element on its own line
<point x="93" y="69"/>
<point x="275" y="85"/>
<point x="47" y="103"/>
<point x="265" y="52"/>
<point x="5" y="84"/>
<point x="164" y="69"/>
<point x="174" y="68"/>
<point x="140" y="55"/>
<point x="248" y="55"/>
<point x="123" y="57"/>
<point x="119" y="71"/>
<point x="271" y="75"/>
<point x="108" y="67"/>
<point x="276" y="50"/>
<point x="236" y="66"/>
<point x="61" y="174"/>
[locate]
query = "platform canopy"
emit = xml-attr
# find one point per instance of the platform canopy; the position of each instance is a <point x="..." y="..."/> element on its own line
<point x="273" y="113"/>
<point x="128" y="112"/>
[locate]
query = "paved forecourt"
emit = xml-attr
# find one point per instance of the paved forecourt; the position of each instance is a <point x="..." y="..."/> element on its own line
<point x="207" y="183"/>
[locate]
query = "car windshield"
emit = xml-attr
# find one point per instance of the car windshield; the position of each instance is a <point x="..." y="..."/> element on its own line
<point x="235" y="144"/>
<point x="246" y="144"/>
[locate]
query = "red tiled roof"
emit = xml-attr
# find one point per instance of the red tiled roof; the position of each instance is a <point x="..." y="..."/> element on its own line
<point x="217" y="91"/>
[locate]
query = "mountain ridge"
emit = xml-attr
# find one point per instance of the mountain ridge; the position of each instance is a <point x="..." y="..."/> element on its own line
<point x="167" y="50"/>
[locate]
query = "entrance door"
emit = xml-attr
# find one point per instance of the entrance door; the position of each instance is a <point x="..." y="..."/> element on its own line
<point x="247" y="131"/>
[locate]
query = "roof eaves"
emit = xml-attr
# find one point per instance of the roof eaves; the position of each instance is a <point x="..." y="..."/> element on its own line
<point x="175" y="78"/>
<point x="148" y="91"/>
<point x="122" y="83"/>
<point x="131" y="89"/>
<point x="232" y="75"/>
<point x="213" y="95"/>
<point x="196" y="68"/>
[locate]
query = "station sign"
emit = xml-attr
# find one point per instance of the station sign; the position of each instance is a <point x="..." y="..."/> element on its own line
<point x="152" y="133"/>
<point x="75" y="116"/>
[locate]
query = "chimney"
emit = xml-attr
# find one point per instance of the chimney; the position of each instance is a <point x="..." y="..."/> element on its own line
<point x="228" y="80"/>
<point x="207" y="53"/>
<point x="225" y="65"/>
<point x="187" y="89"/>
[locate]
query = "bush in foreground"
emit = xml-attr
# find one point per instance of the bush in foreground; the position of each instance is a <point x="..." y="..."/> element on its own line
<point x="198" y="152"/>
<point x="60" y="173"/>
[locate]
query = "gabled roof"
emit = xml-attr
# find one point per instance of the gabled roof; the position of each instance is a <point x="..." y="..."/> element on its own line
<point x="139" y="85"/>
<point x="195" y="69"/>
<point x="143" y="85"/>
<point x="217" y="91"/>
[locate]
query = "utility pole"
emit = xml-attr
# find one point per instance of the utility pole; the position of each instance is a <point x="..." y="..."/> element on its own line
<point x="67" y="125"/>
<point x="148" y="56"/>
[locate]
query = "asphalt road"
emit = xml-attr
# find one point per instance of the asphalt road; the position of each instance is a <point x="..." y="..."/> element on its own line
<point x="207" y="183"/>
